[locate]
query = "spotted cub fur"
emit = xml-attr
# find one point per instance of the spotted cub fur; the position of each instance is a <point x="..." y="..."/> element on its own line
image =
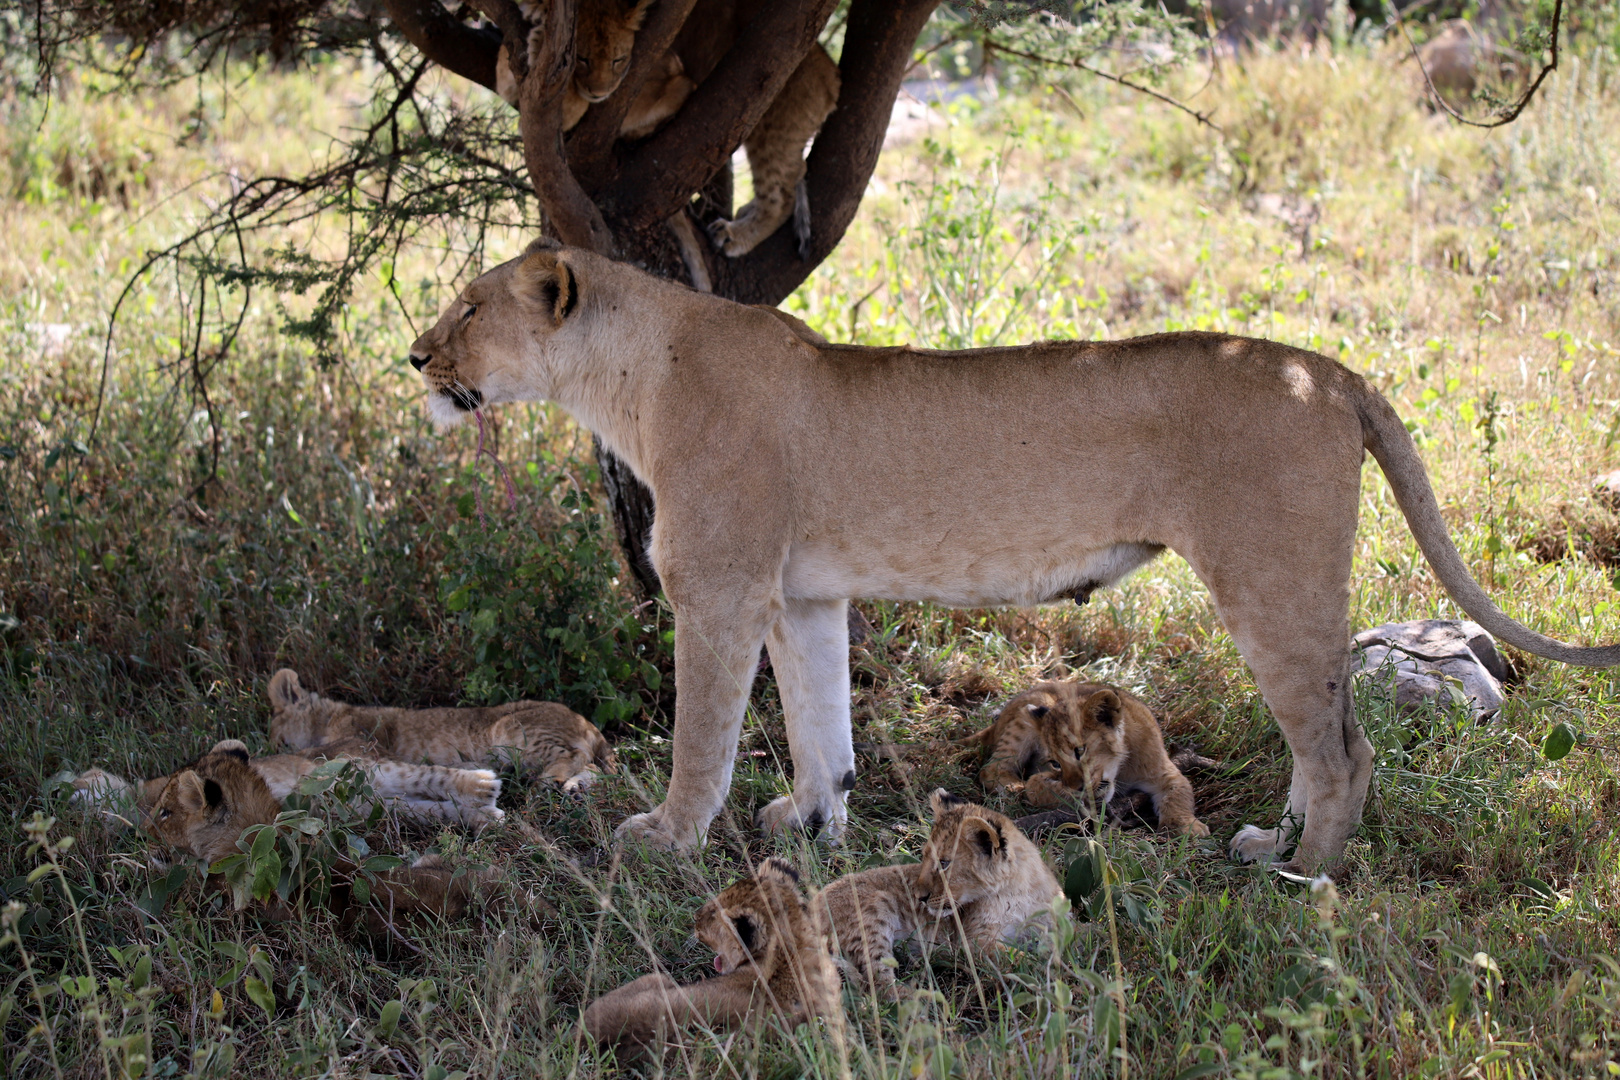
<point x="538" y="737"/>
<point x="771" y="959"/>
<point x="1058" y="740"/>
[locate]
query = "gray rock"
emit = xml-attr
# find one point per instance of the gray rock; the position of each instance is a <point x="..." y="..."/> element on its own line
<point x="1433" y="660"/>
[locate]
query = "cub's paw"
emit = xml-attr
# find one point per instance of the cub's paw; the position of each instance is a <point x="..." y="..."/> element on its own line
<point x="482" y="784"/>
<point x="737" y="237"/>
<point x="657" y="830"/>
<point x="1193" y="827"/>
<point x="578" y="784"/>
<point x="1254" y="844"/>
<point x="825" y="815"/>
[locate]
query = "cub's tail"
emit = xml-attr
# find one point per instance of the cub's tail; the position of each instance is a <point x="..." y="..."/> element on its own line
<point x="1387" y="439"/>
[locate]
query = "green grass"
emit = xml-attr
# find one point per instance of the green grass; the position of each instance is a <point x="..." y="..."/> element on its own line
<point x="1471" y="932"/>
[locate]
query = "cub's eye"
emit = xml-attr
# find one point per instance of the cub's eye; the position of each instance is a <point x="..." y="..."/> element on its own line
<point x="944" y="864"/>
<point x="472" y="309"/>
<point x="164" y="815"/>
<point x="582" y="64"/>
<point x="1055" y="765"/>
<point x="620" y="62"/>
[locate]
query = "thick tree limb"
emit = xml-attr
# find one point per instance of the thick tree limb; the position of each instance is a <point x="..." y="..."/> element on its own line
<point x="658" y="177"/>
<point x="590" y="145"/>
<point x="445" y="40"/>
<point x="573" y="217"/>
<point x="877" y="52"/>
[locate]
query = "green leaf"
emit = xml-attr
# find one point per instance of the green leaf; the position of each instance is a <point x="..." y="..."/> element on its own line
<point x="389" y="1019"/>
<point x="261" y="995"/>
<point x="458" y="600"/>
<point x="265" y="875"/>
<point x="467" y="505"/>
<point x="1210" y="1068"/>
<point x="1559" y="742"/>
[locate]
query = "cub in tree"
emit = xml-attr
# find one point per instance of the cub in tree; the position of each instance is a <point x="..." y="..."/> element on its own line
<point x="423" y="792"/>
<point x="977" y="867"/>
<point x="537" y="737"/>
<point x="604" y="37"/>
<point x="771" y="959"/>
<point x="1058" y="740"/>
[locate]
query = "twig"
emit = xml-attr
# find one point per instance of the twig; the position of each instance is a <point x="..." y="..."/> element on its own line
<point x="1202" y="118"/>
<point x="1518" y="107"/>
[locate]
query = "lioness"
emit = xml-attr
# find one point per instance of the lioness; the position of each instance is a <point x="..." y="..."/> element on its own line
<point x="791" y="475"/>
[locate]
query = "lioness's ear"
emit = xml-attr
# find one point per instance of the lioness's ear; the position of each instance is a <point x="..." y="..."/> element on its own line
<point x="545" y="285"/>
<point x="942" y="800"/>
<point x="1104" y="707"/>
<point x="285" y="690"/>
<point x="985" y="834"/>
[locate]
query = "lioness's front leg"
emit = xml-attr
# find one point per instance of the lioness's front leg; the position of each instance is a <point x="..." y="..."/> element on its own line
<point x="809" y="646"/>
<point x="717" y="641"/>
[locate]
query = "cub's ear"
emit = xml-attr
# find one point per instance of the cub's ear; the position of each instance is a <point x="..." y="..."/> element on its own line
<point x="285" y="690"/>
<point x="986" y="835"/>
<point x="942" y="800"/>
<point x="1037" y="710"/>
<point x="234" y="747"/>
<point x="1104" y="707"/>
<point x="747" y="931"/>
<point x="546" y="286"/>
<point x="639" y="13"/>
<point x="780" y="869"/>
<point x="195" y="793"/>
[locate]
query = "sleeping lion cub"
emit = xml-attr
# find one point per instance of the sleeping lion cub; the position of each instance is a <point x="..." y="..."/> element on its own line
<point x="540" y="737"/>
<point x="1058" y="739"/>
<point x="424" y="792"/>
<point x="976" y="861"/>
<point x="771" y="958"/>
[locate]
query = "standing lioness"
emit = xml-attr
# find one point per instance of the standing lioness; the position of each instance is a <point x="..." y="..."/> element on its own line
<point x="791" y="475"/>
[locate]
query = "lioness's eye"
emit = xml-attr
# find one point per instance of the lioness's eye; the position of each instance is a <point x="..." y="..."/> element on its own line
<point x="472" y="309"/>
<point x="944" y="864"/>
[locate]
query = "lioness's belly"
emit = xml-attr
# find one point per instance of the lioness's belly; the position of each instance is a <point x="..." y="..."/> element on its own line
<point x="1006" y="579"/>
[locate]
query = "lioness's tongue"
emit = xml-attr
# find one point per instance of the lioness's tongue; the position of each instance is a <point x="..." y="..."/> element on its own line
<point x="719" y="965"/>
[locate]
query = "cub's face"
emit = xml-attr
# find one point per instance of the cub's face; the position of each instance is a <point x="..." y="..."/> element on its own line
<point x="1097" y="720"/>
<point x="203" y="810"/>
<point x="741" y="922"/>
<point x="966" y="856"/>
<point x="604" y="37"/>
<point x="490" y="344"/>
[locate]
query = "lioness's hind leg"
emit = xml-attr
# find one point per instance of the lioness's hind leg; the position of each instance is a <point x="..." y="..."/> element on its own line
<point x="809" y="647"/>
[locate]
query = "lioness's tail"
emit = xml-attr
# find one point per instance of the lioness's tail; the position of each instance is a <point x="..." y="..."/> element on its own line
<point x="1387" y="439"/>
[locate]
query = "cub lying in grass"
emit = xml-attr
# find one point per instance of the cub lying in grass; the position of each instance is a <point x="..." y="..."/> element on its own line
<point x="424" y="792"/>
<point x="976" y="868"/>
<point x="202" y="811"/>
<point x="536" y="736"/>
<point x="771" y="956"/>
<point x="1059" y="740"/>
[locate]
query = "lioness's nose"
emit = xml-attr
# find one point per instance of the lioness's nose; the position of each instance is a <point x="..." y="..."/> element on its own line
<point x="419" y="362"/>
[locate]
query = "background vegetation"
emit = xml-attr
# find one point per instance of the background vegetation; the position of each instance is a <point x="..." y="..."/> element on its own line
<point x="156" y="567"/>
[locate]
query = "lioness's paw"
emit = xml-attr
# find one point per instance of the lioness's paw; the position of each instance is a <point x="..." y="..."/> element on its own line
<point x="825" y="815"/>
<point x="1254" y="844"/>
<point x="653" y="830"/>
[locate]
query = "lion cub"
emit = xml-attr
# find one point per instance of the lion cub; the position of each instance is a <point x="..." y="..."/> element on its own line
<point x="1059" y="739"/>
<point x="771" y="957"/>
<point x="429" y="793"/>
<point x="977" y="867"/>
<point x="538" y="736"/>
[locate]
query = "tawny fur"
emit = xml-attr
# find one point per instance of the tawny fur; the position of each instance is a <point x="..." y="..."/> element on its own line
<point x="772" y="960"/>
<point x="1062" y="742"/>
<point x="791" y="476"/>
<point x="776" y="154"/>
<point x="203" y="811"/>
<point x="604" y="37"/>
<point x="980" y="871"/>
<point x="422" y="792"/>
<point x="539" y="738"/>
<point x="865" y="914"/>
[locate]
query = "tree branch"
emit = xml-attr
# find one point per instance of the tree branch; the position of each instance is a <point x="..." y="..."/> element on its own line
<point x="878" y="44"/>
<point x="659" y="176"/>
<point x="445" y="40"/>
<point x="573" y="217"/>
<point x="1202" y="118"/>
<point x="590" y="144"/>
<point x="1517" y="107"/>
